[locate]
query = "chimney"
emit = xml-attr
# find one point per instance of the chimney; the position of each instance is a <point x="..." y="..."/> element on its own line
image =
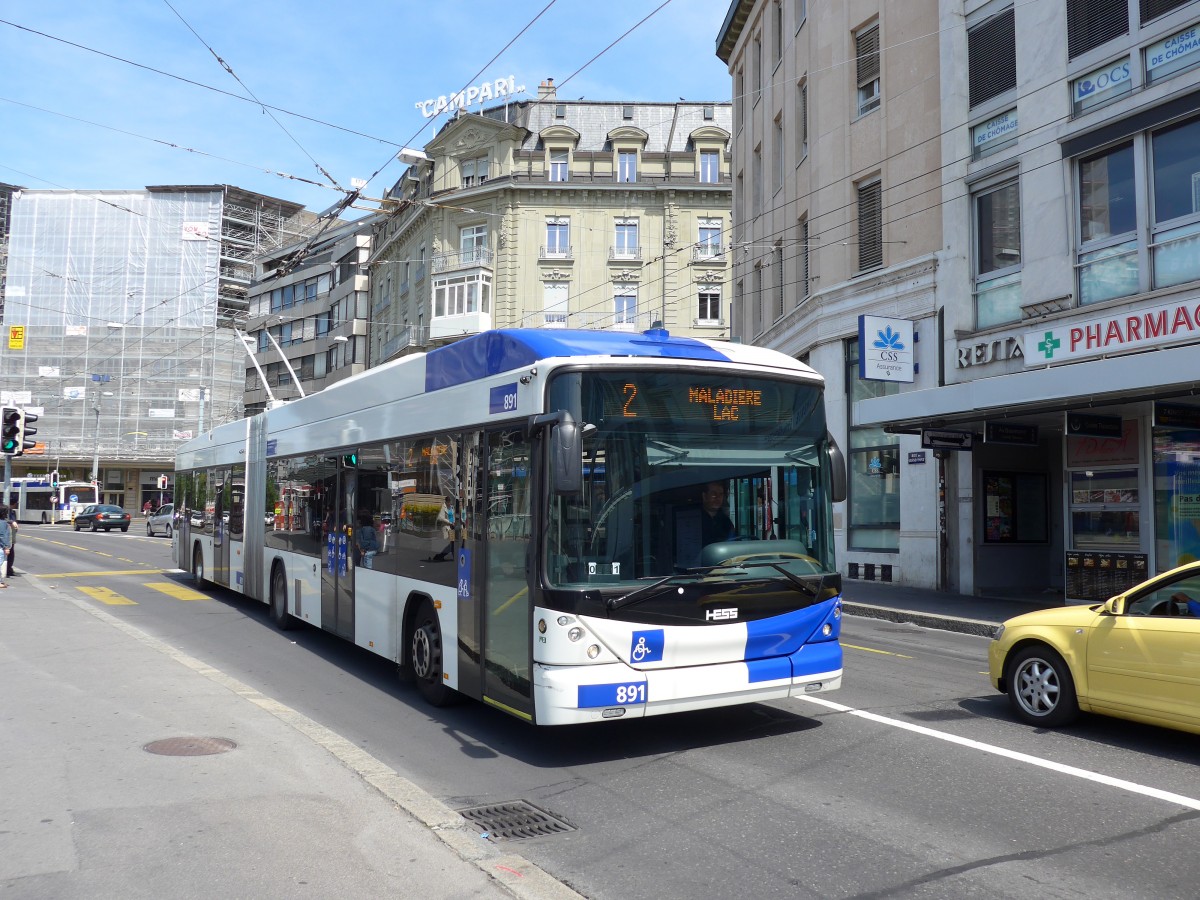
<point x="546" y="89"/>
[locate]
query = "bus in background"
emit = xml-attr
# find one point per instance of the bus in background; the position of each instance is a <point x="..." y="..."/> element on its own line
<point x="36" y="499"/>
<point x="571" y="526"/>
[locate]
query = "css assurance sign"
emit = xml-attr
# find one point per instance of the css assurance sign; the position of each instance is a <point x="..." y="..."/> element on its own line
<point x="885" y="349"/>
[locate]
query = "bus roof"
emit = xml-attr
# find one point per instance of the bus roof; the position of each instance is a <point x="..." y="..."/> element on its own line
<point x="502" y="350"/>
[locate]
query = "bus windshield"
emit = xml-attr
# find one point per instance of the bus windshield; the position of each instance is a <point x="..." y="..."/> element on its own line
<point x="683" y="471"/>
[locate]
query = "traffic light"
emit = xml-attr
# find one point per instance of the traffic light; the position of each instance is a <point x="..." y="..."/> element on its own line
<point x="54" y="480"/>
<point x="27" y="442"/>
<point x="10" y="431"/>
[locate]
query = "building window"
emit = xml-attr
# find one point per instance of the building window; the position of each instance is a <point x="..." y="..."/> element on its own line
<point x="756" y="61"/>
<point x="866" y="51"/>
<point x="626" y="239"/>
<point x="777" y="279"/>
<point x="779" y="155"/>
<point x="627" y="166"/>
<point x="558" y="165"/>
<point x="710" y="166"/>
<point x="802" y="121"/>
<point x="757" y="289"/>
<point x="1015" y="508"/>
<point x="709" y="243"/>
<point x="708" y="311"/>
<point x="874" y="469"/>
<point x="739" y="94"/>
<point x="560" y="110"/>
<point x="558" y="236"/>
<point x="625" y="305"/>
<point x="709" y="113"/>
<point x="801" y="13"/>
<point x="1108" y="252"/>
<point x="1091" y="23"/>
<point x="462" y="294"/>
<point x="1176" y="177"/>
<point x="554" y="304"/>
<point x="804" y="287"/>
<point x="777" y="30"/>
<point x="992" y="57"/>
<point x="627" y="112"/>
<point x="757" y="176"/>
<point x="998" y="255"/>
<point x="870" y="226"/>
<point x="472" y="244"/>
<point x="473" y="171"/>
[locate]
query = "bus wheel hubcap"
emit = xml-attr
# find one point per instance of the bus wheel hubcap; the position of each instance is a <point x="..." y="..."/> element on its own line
<point x="424" y="652"/>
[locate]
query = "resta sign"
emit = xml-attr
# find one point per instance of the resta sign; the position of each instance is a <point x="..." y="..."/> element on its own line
<point x="476" y="93"/>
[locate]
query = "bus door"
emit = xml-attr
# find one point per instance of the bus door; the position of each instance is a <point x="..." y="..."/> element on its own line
<point x="507" y="652"/>
<point x="220" y="524"/>
<point x="337" y="572"/>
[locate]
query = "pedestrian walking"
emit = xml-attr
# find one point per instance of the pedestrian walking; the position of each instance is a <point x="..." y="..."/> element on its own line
<point x="147" y="508"/>
<point x="6" y="538"/>
<point x="12" y="546"/>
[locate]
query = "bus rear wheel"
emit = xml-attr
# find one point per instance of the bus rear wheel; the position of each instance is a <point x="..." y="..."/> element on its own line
<point x="283" y="620"/>
<point x="425" y="654"/>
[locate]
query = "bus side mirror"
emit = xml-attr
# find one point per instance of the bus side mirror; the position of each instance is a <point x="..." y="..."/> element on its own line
<point x="837" y="470"/>
<point x="566" y="455"/>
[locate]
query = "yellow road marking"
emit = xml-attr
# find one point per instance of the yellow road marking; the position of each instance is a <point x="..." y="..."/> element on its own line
<point x="99" y="553"/>
<point x="178" y="591"/>
<point x="77" y="547"/>
<point x="108" y="572"/>
<point x="106" y="595"/>
<point x="873" y="650"/>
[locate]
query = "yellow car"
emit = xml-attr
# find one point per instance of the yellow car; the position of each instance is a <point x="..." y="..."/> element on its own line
<point x="1135" y="656"/>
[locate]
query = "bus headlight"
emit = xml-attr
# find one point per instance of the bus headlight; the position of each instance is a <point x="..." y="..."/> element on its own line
<point x="593" y="651"/>
<point x="826" y="629"/>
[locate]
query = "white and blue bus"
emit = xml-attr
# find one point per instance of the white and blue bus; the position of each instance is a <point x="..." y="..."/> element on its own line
<point x="44" y="499"/>
<point x="518" y="517"/>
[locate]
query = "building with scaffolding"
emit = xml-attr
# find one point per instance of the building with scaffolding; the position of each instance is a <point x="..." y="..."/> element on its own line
<point x="119" y="313"/>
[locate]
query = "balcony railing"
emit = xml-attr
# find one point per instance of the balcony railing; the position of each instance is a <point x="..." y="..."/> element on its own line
<point x="594" y="320"/>
<point x="463" y="259"/>
<point x="411" y="336"/>
<point x="714" y="253"/>
<point x="624" y="253"/>
<point x="556" y="253"/>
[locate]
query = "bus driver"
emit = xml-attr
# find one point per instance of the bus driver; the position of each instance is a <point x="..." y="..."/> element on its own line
<point x="716" y="526"/>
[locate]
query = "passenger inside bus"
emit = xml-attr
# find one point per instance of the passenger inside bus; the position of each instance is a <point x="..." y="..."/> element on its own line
<point x="366" y="540"/>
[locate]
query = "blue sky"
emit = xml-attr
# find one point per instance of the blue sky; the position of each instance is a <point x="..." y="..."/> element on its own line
<point x="72" y="118"/>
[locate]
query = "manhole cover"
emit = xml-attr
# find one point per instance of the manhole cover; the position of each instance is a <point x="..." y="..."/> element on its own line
<point x="514" y="821"/>
<point x="189" y="746"/>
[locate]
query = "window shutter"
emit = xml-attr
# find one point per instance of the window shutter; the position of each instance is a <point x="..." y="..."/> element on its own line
<point x="804" y="258"/>
<point x="1091" y="23"/>
<point x="870" y="226"/>
<point x="867" y="50"/>
<point x="992" y="57"/>
<point x="1152" y="9"/>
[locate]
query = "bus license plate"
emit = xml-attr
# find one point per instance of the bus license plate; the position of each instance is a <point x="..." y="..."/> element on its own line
<point x="629" y="694"/>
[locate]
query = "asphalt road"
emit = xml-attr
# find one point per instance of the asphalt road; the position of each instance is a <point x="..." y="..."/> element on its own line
<point x="912" y="781"/>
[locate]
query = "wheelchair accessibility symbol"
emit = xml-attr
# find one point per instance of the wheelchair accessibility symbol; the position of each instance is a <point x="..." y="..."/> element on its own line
<point x="647" y="646"/>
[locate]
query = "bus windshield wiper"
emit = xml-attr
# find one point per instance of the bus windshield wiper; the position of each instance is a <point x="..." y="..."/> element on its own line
<point x="651" y="590"/>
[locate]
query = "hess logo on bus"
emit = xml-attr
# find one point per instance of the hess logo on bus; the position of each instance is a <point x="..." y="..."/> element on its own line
<point x="720" y="615"/>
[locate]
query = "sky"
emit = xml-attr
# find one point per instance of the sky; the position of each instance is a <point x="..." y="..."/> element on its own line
<point x="120" y="95"/>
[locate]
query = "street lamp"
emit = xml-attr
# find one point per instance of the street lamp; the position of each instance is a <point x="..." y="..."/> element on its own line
<point x="96" y="398"/>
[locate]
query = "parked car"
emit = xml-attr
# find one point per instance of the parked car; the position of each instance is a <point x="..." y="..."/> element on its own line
<point x="102" y="515"/>
<point x="162" y="519"/>
<point x="1133" y="656"/>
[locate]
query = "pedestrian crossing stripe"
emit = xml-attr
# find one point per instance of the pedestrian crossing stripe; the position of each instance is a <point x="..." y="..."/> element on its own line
<point x="178" y="591"/>
<point x="108" y="596"/>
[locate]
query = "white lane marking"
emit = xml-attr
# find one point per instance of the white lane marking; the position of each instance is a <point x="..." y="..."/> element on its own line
<point x="1085" y="774"/>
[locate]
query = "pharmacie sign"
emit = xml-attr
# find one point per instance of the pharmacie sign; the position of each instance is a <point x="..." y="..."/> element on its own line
<point x="885" y="349"/>
<point x="476" y="93"/>
<point x="1130" y="330"/>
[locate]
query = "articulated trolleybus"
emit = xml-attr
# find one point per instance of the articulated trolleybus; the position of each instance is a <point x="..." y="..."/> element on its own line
<point x="571" y="526"/>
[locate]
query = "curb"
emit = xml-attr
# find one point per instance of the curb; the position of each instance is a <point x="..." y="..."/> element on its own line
<point x="925" y="620"/>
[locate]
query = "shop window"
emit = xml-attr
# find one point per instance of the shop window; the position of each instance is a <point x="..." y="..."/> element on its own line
<point x="1176" y="497"/>
<point x="1014" y="508"/>
<point x="874" y="470"/>
<point x="1105" y="510"/>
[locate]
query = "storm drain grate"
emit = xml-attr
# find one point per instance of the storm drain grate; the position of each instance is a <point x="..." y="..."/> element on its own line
<point x="189" y="746"/>
<point x="514" y="821"/>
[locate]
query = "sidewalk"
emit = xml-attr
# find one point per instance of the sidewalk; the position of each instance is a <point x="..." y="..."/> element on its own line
<point x="937" y="609"/>
<point x="286" y="808"/>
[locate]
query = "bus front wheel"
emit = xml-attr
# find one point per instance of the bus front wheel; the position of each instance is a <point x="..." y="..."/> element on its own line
<point x="198" y="566"/>
<point x="283" y="620"/>
<point x="426" y="656"/>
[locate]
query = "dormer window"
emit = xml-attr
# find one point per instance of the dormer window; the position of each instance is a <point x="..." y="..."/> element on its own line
<point x="560" y="110"/>
<point x="626" y="112"/>
<point x="559" y="168"/>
